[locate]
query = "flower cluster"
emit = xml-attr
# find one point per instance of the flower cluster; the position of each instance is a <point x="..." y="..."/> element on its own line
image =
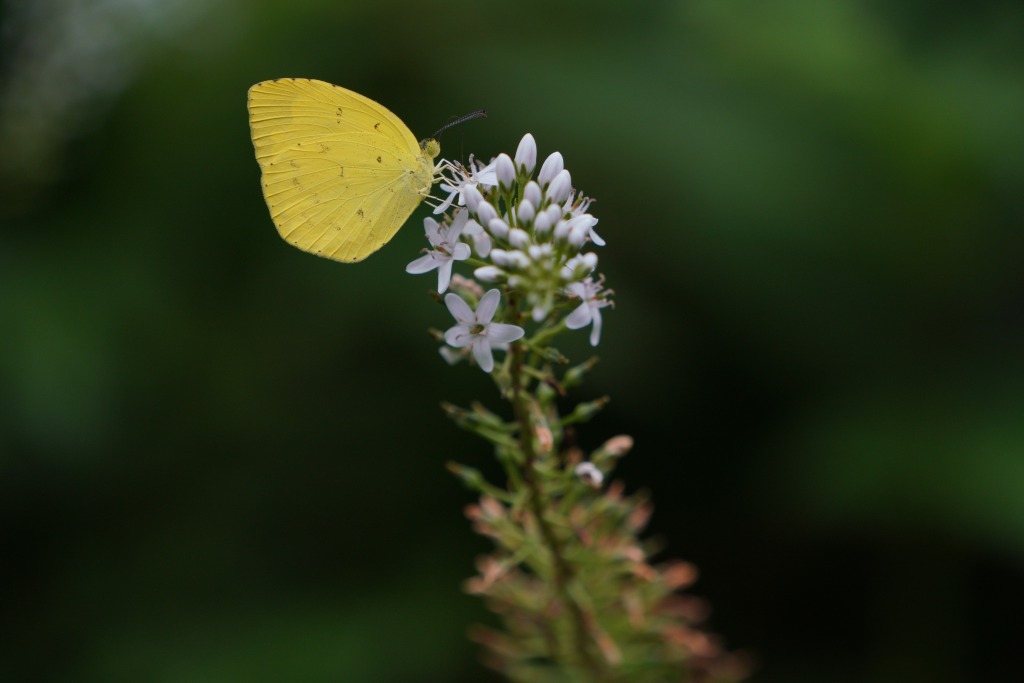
<point x="570" y="577"/>
<point x="525" y="229"/>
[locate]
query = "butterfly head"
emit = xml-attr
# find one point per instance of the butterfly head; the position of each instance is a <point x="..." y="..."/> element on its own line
<point x="430" y="147"/>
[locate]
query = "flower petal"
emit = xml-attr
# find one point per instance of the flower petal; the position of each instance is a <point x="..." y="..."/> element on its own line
<point x="444" y="276"/>
<point x="482" y="353"/>
<point x="580" y="317"/>
<point x="502" y="333"/>
<point x="458" y="223"/>
<point x="424" y="264"/>
<point x="450" y="355"/>
<point x="459" y="309"/>
<point x="487" y="306"/>
<point x="577" y="289"/>
<point x="432" y="229"/>
<point x="595" y="332"/>
<point x="443" y="206"/>
<point x="458" y="336"/>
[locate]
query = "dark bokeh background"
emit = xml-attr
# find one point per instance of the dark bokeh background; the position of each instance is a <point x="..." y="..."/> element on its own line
<point x="221" y="458"/>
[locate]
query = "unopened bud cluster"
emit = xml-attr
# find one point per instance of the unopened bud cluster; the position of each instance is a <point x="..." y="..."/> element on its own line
<point x="538" y="224"/>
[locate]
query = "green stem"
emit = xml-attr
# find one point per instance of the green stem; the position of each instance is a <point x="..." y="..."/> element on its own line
<point x="563" y="573"/>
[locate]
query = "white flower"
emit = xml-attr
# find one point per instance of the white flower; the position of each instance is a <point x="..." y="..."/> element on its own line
<point x="462" y="179"/>
<point x="577" y="207"/>
<point x="579" y="266"/>
<point x="589" y="311"/>
<point x="446" y="248"/>
<point x="475" y="330"/>
<point x="589" y="473"/>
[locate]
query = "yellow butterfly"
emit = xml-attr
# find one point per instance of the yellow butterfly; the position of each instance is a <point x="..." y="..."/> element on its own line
<point x="341" y="173"/>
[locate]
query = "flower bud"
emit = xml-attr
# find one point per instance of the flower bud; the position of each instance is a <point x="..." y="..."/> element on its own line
<point x="561" y="229"/>
<point x="526" y="212"/>
<point x="542" y="224"/>
<point x="554" y="212"/>
<point x="518" y="259"/>
<point x="500" y="257"/>
<point x="589" y="260"/>
<point x="553" y="165"/>
<point x="589" y="474"/>
<point x="618" y="446"/>
<point x="539" y="251"/>
<point x="518" y="237"/>
<point x="485" y="213"/>
<point x="526" y="154"/>
<point x="577" y="235"/>
<point x="561" y="186"/>
<point x="472" y="197"/>
<point x="505" y="170"/>
<point x="489" y="273"/>
<point x="498" y="228"/>
<point x="533" y="193"/>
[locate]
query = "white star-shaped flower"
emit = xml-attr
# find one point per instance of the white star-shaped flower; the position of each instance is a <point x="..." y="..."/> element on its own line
<point x="475" y="330"/>
<point x="463" y="178"/>
<point x="446" y="249"/>
<point x="589" y="311"/>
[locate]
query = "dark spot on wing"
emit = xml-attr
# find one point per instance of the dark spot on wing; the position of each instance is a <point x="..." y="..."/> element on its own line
<point x="376" y="126"/>
<point x="360" y="213"/>
<point x="379" y="160"/>
<point x="341" y="171"/>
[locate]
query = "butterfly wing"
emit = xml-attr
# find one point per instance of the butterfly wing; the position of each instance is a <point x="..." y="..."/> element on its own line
<point x="341" y="173"/>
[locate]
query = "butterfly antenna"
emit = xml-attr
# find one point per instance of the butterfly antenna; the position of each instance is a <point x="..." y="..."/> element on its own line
<point x="478" y="114"/>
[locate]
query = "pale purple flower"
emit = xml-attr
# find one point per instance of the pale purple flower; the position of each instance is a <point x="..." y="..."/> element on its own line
<point x="589" y="311"/>
<point x="462" y="179"/>
<point x="475" y="330"/>
<point x="446" y="249"/>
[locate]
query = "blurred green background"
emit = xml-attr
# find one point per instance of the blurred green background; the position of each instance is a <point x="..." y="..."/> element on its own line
<point x="221" y="459"/>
